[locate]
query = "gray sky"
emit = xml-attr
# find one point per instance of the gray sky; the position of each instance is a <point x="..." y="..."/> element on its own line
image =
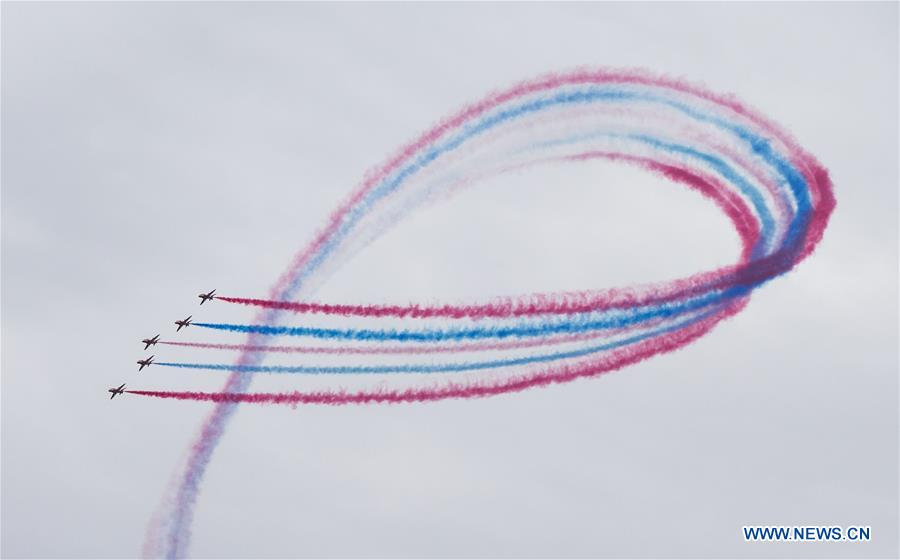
<point x="151" y="151"/>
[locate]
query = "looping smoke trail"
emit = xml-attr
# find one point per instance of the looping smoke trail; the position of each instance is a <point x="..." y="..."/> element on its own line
<point x="777" y="196"/>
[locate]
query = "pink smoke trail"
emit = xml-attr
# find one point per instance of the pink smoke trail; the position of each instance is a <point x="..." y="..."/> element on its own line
<point x="615" y="360"/>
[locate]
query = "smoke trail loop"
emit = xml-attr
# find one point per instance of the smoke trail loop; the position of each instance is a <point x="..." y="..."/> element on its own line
<point x="777" y="196"/>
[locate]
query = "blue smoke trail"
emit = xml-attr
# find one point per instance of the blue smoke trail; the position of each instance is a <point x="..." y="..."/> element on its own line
<point x="521" y="330"/>
<point x="444" y="368"/>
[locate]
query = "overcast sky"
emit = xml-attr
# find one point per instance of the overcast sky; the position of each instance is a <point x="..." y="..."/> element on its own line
<point x="151" y="151"/>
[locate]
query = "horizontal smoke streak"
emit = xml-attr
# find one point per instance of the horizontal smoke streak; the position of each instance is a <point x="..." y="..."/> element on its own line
<point x="438" y="368"/>
<point x="533" y="329"/>
<point x="615" y="360"/>
<point x="407" y="349"/>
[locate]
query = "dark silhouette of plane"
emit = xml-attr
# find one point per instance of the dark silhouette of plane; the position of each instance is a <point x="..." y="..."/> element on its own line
<point x="148" y="342"/>
<point x="116" y="391"/>
<point x="183" y="323"/>
<point x="207" y="296"/>
<point x="145" y="362"/>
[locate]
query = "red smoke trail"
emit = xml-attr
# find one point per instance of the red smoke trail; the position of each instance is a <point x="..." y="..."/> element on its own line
<point x="612" y="361"/>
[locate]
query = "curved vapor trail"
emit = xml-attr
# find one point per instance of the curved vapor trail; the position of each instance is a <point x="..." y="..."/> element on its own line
<point x="777" y="196"/>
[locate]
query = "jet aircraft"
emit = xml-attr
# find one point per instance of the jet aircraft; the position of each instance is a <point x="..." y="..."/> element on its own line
<point x="207" y="296"/>
<point x="145" y="362"/>
<point x="116" y="391"/>
<point x="148" y="342"/>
